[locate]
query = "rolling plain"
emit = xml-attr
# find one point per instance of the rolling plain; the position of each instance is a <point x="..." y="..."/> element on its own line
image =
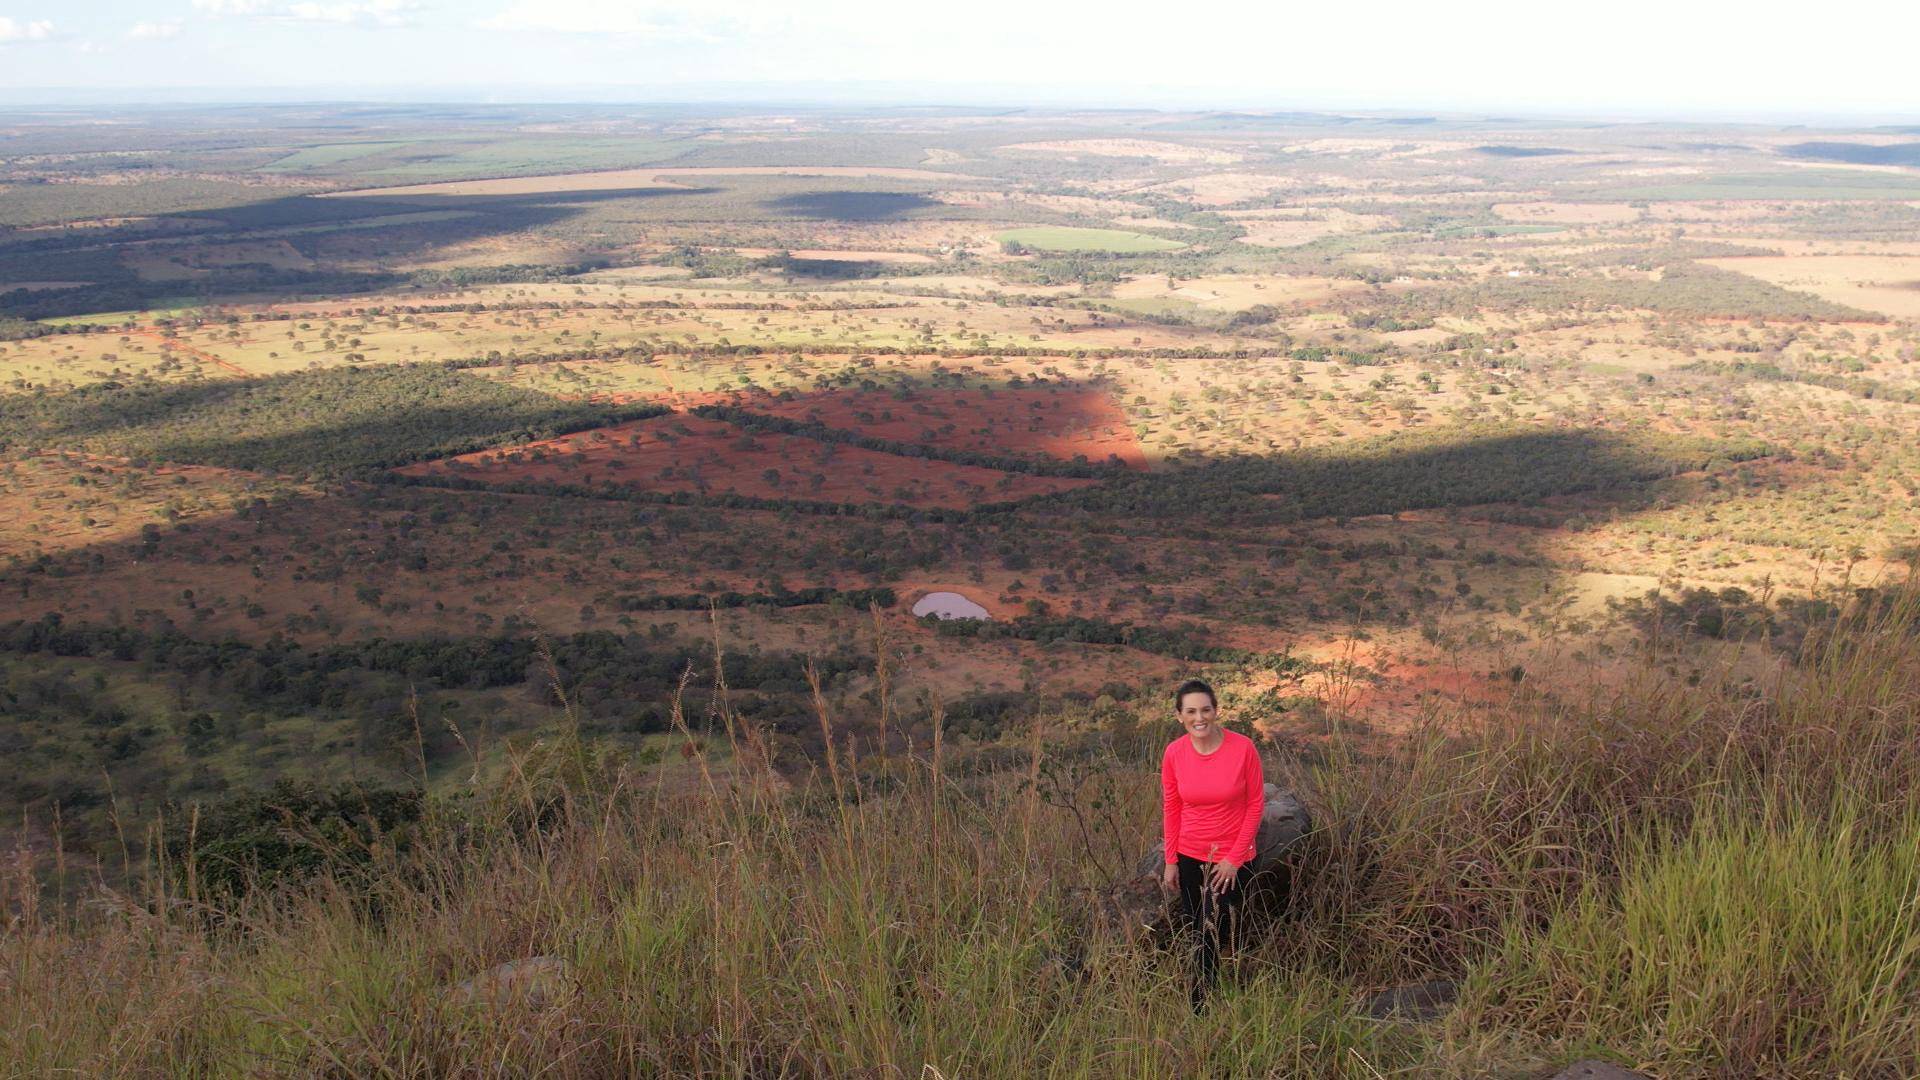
<point x="361" y="452"/>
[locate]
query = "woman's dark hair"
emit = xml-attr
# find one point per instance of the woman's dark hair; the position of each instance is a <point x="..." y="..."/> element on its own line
<point x="1194" y="686"/>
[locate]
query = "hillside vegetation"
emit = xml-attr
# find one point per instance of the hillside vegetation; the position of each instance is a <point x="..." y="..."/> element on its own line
<point x="1704" y="880"/>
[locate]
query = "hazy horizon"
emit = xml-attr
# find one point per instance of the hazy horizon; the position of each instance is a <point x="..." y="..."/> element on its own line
<point x="1642" y="60"/>
<point x="827" y="97"/>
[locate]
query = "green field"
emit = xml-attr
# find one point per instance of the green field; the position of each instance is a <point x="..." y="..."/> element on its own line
<point x="1068" y="238"/>
<point x="1803" y="185"/>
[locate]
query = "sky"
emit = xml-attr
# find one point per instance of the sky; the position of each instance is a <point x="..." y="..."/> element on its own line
<point x="1684" y="58"/>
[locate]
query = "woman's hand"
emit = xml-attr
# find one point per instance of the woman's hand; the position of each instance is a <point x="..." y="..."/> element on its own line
<point x="1170" y="879"/>
<point x="1220" y="877"/>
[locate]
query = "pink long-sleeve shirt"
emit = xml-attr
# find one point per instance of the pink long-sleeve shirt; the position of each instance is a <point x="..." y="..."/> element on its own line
<point x="1211" y="803"/>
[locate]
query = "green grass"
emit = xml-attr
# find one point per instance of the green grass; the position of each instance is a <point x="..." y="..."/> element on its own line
<point x="1790" y="946"/>
<point x="1068" y="238"/>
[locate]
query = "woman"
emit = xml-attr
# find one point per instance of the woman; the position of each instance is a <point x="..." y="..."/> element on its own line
<point x="1212" y="795"/>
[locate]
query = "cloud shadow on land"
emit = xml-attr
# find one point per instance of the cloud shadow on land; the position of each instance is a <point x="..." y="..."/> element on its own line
<point x="1427" y="468"/>
<point x="348" y="420"/>
<point x="302" y="220"/>
<point x="854" y="205"/>
<point x="325" y="423"/>
<point x="1231" y="502"/>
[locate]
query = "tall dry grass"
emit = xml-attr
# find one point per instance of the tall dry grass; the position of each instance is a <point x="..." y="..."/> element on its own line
<point x="1714" y="880"/>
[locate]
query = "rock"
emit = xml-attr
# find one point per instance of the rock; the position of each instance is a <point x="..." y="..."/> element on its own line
<point x="1135" y="908"/>
<point x="535" y="981"/>
<point x="1597" y="1070"/>
<point x="1284" y="822"/>
<point x="1419" y="1002"/>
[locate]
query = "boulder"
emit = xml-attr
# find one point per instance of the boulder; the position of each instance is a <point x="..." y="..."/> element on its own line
<point x="533" y="981"/>
<point x="1135" y="908"/>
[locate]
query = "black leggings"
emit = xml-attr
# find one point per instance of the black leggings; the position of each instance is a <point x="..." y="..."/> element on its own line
<point x="1213" y="921"/>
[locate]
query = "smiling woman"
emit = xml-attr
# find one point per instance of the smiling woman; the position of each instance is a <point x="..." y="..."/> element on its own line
<point x="1212" y="793"/>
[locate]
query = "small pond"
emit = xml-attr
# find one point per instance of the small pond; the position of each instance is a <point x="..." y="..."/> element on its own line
<point x="949" y="605"/>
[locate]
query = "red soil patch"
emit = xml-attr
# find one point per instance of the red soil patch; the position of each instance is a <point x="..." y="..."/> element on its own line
<point x="690" y="453"/>
<point x="1040" y="423"/>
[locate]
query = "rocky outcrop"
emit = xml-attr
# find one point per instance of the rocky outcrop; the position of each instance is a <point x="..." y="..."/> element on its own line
<point x="1136" y="908"/>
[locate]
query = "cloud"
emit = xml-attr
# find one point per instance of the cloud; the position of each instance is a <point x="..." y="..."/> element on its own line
<point x="670" y="20"/>
<point x="154" y="31"/>
<point x="367" y="13"/>
<point x="12" y="31"/>
<point x="384" y="13"/>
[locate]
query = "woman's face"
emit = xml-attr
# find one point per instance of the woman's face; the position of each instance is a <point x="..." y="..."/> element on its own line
<point x="1199" y="715"/>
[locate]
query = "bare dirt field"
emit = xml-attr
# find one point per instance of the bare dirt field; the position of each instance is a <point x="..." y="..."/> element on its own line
<point x="1053" y="423"/>
<point x="693" y="454"/>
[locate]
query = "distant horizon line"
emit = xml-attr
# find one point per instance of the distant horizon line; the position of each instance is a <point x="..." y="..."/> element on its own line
<point x="875" y="94"/>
